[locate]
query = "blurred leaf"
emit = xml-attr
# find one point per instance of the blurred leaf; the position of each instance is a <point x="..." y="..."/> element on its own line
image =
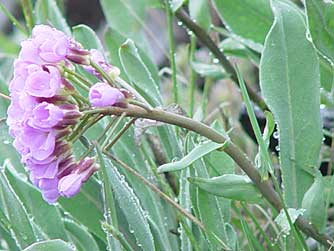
<point x="13" y="211"/>
<point x="283" y="222"/>
<point x="89" y="202"/>
<point x="37" y="207"/>
<point x="128" y="18"/>
<point x="326" y="74"/>
<point x="321" y="25"/>
<point x="131" y="208"/>
<point x="214" y="71"/>
<point x="199" y="11"/>
<point x="87" y="37"/>
<point x="231" y="186"/>
<point x="6" y="240"/>
<point x="232" y="237"/>
<point x="176" y="4"/>
<point x="8" y="46"/>
<point x="50" y="245"/>
<point x="314" y="204"/>
<point x="47" y="12"/>
<point x="289" y="72"/>
<point x="233" y="47"/>
<point x="138" y="73"/>
<point x="82" y="239"/>
<point x="249" y="19"/>
<point x="198" y="152"/>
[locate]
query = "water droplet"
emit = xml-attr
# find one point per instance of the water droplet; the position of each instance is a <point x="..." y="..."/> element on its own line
<point x="276" y="135"/>
<point x="277" y="148"/>
<point x="215" y="61"/>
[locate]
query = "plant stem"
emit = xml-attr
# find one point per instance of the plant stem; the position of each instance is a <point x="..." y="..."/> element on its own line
<point x="170" y="15"/>
<point x="202" y="35"/>
<point x="4" y="96"/>
<point x="231" y="149"/>
<point x="78" y="76"/>
<point x="120" y="133"/>
<point x="28" y="14"/>
<point x="113" y="130"/>
<point x="193" y="75"/>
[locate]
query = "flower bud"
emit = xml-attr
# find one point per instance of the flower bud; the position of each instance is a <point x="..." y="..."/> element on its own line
<point x="102" y="94"/>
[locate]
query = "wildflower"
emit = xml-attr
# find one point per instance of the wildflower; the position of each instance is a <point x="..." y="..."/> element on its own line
<point x="40" y="115"/>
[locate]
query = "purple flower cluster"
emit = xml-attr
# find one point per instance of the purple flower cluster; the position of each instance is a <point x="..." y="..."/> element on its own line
<point x="40" y="115"/>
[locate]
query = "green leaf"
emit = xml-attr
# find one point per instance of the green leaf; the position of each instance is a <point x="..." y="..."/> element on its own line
<point x="185" y="203"/>
<point x="110" y="213"/>
<point x="199" y="11"/>
<point x="131" y="208"/>
<point x="90" y="203"/>
<point x="128" y="18"/>
<point x="50" y="245"/>
<point x="214" y="71"/>
<point x="289" y="79"/>
<point x="47" y="12"/>
<point x="283" y="222"/>
<point x="314" y="203"/>
<point x="249" y="19"/>
<point x="87" y="37"/>
<point x="260" y="160"/>
<point x="80" y="236"/>
<point x="233" y="47"/>
<point x="208" y="207"/>
<point x="321" y="25"/>
<point x="231" y="186"/>
<point x="195" y="154"/>
<point x="14" y="213"/>
<point x="326" y="74"/>
<point x="138" y="73"/>
<point x="37" y="207"/>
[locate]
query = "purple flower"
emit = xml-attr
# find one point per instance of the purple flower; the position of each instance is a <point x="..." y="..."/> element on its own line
<point x="46" y="116"/>
<point x="53" y="45"/>
<point x="44" y="83"/>
<point x="47" y="171"/>
<point x="40" y="143"/>
<point x="102" y="94"/>
<point x="70" y="184"/>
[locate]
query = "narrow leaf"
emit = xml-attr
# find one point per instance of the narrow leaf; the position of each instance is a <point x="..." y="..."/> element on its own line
<point x="289" y="79"/>
<point x="200" y="12"/>
<point x="195" y="154"/>
<point x="82" y="239"/>
<point x="138" y="73"/>
<point x="51" y="245"/>
<point x="314" y="203"/>
<point x="127" y="199"/>
<point x="15" y="214"/>
<point x="231" y="186"/>
<point x="321" y="26"/>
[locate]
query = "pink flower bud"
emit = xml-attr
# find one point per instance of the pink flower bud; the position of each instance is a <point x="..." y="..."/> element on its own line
<point x="102" y="94"/>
